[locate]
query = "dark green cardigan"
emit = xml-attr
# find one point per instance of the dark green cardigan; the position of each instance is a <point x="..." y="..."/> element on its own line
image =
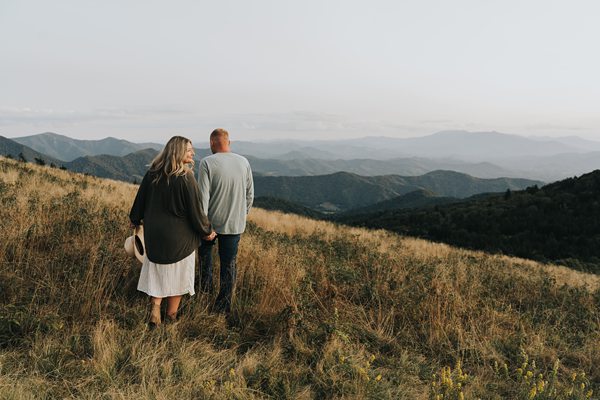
<point x="172" y="217"/>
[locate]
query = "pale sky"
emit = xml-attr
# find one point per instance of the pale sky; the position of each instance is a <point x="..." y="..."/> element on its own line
<point x="146" y="70"/>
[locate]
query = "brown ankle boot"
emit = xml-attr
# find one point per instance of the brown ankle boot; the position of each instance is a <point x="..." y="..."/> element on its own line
<point x="155" y="315"/>
<point x="171" y="317"/>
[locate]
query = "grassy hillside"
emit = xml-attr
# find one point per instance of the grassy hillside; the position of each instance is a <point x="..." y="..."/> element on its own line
<point x="321" y="311"/>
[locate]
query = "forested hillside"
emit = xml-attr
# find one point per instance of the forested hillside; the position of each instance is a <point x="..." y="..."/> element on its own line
<point x="558" y="222"/>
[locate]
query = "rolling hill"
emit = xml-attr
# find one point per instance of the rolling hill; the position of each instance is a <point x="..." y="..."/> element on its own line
<point x="554" y="167"/>
<point x="10" y="148"/>
<point x="288" y="207"/>
<point x="418" y="199"/>
<point x="65" y="148"/>
<point x="558" y="222"/>
<point x="368" y="167"/>
<point x="343" y="191"/>
<point x="129" y="168"/>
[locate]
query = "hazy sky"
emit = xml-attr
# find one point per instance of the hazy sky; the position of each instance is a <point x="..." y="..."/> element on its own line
<point x="145" y="70"/>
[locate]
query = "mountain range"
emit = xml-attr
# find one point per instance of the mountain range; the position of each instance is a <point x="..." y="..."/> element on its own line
<point x="479" y="154"/>
<point x="417" y="199"/>
<point x="343" y="191"/>
<point x="16" y="150"/>
<point x="340" y="191"/>
<point x="369" y="167"/>
<point x="468" y="146"/>
<point x="67" y="149"/>
<point x="444" y="205"/>
<point x="129" y="168"/>
<point x="420" y="198"/>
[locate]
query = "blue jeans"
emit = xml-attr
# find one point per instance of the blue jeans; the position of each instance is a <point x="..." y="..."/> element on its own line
<point x="228" y="248"/>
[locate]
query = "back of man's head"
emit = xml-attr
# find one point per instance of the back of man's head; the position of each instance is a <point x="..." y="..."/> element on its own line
<point x="219" y="140"/>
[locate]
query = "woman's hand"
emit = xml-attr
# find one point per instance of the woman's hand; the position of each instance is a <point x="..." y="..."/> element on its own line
<point x="210" y="237"/>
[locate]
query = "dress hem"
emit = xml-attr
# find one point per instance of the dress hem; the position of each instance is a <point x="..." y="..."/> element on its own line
<point x="162" y="296"/>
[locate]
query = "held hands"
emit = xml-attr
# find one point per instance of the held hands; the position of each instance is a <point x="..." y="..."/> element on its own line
<point x="210" y="237"/>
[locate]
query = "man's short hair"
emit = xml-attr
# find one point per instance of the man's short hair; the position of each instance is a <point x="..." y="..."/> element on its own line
<point x="219" y="134"/>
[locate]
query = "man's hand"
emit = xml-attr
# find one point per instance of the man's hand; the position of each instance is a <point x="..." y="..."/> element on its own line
<point x="211" y="237"/>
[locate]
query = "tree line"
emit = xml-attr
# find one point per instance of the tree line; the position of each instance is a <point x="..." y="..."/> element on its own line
<point x="559" y="222"/>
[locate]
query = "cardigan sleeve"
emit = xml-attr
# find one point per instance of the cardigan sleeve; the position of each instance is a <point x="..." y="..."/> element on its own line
<point x="204" y="185"/>
<point x="136" y="215"/>
<point x="196" y="215"/>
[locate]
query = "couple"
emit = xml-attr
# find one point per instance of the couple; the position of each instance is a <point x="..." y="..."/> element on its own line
<point x="179" y="214"/>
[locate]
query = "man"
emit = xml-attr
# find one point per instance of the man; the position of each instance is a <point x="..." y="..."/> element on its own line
<point x="226" y="193"/>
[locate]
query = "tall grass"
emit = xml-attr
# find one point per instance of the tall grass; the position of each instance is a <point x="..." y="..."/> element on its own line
<point x="321" y="311"/>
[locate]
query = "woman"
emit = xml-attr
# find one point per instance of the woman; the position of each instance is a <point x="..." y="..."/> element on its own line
<point x="168" y="204"/>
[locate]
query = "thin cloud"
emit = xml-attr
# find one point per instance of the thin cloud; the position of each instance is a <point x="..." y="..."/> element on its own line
<point x="554" y="127"/>
<point x="27" y="115"/>
<point x="305" y="121"/>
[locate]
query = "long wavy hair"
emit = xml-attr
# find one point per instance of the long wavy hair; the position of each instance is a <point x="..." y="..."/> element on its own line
<point x="169" y="161"/>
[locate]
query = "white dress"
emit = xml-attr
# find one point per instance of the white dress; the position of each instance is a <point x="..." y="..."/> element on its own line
<point x="165" y="280"/>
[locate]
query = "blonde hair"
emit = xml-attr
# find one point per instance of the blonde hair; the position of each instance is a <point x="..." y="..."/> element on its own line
<point x="169" y="161"/>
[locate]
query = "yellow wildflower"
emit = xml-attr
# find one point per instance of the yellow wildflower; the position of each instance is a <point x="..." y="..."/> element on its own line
<point x="540" y="386"/>
<point x="555" y="367"/>
<point x="532" y="392"/>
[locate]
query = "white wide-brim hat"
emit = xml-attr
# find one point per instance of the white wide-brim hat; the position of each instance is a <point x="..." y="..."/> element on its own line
<point x="134" y="244"/>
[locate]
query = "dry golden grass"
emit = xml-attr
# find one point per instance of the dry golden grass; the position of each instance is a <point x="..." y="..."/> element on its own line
<point x="392" y="244"/>
<point x="321" y="311"/>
